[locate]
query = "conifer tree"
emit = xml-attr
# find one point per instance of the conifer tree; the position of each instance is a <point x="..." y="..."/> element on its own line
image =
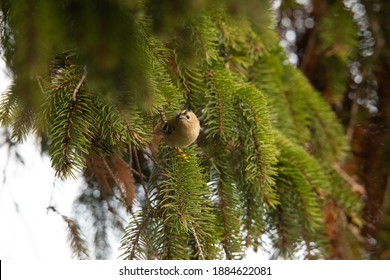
<point x="92" y="79"/>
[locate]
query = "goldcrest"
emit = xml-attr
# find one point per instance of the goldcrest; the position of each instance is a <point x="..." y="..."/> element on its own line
<point x="182" y="130"/>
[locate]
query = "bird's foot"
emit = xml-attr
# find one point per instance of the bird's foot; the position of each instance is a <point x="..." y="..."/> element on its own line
<point x="181" y="153"/>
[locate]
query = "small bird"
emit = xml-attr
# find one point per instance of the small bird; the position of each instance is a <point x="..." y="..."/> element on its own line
<point x="182" y="130"/>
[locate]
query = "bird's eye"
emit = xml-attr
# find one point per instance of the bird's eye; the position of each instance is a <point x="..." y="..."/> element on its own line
<point x="188" y="117"/>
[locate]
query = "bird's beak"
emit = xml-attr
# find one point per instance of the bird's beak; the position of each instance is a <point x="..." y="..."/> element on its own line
<point x="181" y="115"/>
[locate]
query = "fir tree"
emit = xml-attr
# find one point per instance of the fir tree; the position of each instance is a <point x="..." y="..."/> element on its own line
<point x="93" y="78"/>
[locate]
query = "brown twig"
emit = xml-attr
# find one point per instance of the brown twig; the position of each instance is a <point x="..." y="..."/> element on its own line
<point x="356" y="187"/>
<point x="76" y="90"/>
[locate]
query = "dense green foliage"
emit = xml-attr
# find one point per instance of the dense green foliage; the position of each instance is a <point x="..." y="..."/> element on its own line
<point x="262" y="166"/>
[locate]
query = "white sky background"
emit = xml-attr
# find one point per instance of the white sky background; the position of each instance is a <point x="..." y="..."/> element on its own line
<point x="27" y="231"/>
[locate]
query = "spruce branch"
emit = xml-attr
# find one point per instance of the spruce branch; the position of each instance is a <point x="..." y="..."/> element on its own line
<point x="228" y="201"/>
<point x="69" y="123"/>
<point x="139" y="171"/>
<point x="77" y="243"/>
<point x="126" y="180"/>
<point x="258" y="147"/>
<point x="131" y="242"/>
<point x="8" y="106"/>
<point x="112" y="174"/>
<point x="304" y="188"/>
<point x="23" y="123"/>
<point x="185" y="204"/>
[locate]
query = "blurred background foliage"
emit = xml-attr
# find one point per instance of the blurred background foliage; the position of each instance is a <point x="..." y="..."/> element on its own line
<point x="293" y="97"/>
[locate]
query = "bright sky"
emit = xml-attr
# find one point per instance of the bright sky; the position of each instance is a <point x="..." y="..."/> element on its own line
<point x="27" y="230"/>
